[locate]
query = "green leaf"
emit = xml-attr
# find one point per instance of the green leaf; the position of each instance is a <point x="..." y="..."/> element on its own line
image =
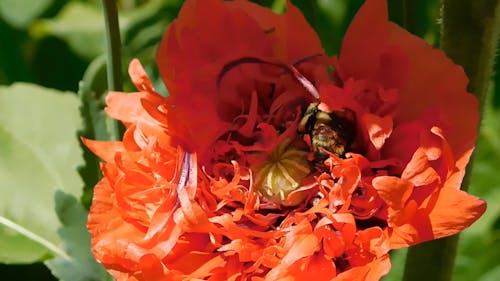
<point x="76" y="242"/>
<point x="96" y="124"/>
<point x="16" y="248"/>
<point x="140" y="21"/>
<point x="80" y="24"/>
<point x="20" y="13"/>
<point x="39" y="156"/>
<point x="491" y="275"/>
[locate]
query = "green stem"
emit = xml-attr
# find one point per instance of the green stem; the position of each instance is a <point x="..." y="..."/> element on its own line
<point x="113" y="46"/>
<point x="113" y="57"/>
<point x="469" y="37"/>
<point x="406" y="13"/>
<point x="433" y="260"/>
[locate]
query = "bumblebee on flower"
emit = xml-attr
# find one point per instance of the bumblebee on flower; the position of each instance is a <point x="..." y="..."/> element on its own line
<point x="260" y="166"/>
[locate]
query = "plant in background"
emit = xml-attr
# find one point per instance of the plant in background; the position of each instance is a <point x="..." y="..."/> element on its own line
<point x="271" y="161"/>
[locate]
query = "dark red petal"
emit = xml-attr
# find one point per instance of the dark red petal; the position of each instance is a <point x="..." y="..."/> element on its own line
<point x="432" y="88"/>
<point x="295" y="38"/>
<point x="364" y="41"/>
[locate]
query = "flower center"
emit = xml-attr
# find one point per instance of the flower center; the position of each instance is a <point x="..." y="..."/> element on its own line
<point x="282" y="172"/>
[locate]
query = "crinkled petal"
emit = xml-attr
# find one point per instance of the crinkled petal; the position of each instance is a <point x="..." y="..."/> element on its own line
<point x="442" y="214"/>
<point x="393" y="190"/>
<point x="373" y="271"/>
<point x="454" y="211"/>
<point x="436" y="82"/>
<point x="290" y="29"/>
<point x="361" y="50"/>
<point x="106" y="150"/>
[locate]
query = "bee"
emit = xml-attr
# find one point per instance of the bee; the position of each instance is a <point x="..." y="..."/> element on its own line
<point x="333" y="132"/>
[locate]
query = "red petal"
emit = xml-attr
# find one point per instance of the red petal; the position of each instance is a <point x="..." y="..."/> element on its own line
<point x="127" y="107"/>
<point x="304" y="246"/>
<point x="290" y="29"/>
<point x="437" y="85"/>
<point x="112" y="238"/>
<point x="321" y="266"/>
<point x="393" y="190"/>
<point x="373" y="271"/>
<point x="139" y="77"/>
<point x="151" y="268"/>
<point x="206" y="268"/>
<point x="454" y="211"/>
<point x="197" y="46"/>
<point x="364" y="41"/>
<point x="379" y="129"/>
<point x="442" y="214"/>
<point x="106" y="150"/>
<point x="419" y="171"/>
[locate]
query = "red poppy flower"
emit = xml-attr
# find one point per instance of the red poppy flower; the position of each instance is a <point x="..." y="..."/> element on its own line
<point x="261" y="165"/>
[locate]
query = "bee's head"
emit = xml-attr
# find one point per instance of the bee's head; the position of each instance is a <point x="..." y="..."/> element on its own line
<point x="309" y="118"/>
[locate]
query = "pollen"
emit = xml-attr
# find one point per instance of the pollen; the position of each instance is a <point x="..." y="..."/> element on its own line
<point x="282" y="172"/>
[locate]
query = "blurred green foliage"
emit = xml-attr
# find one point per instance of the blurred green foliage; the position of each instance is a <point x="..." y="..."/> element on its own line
<point x="60" y="44"/>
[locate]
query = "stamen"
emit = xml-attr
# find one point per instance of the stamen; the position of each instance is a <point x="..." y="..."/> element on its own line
<point x="306" y="58"/>
<point x="189" y="173"/>
<point x="247" y="60"/>
<point x="306" y="83"/>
